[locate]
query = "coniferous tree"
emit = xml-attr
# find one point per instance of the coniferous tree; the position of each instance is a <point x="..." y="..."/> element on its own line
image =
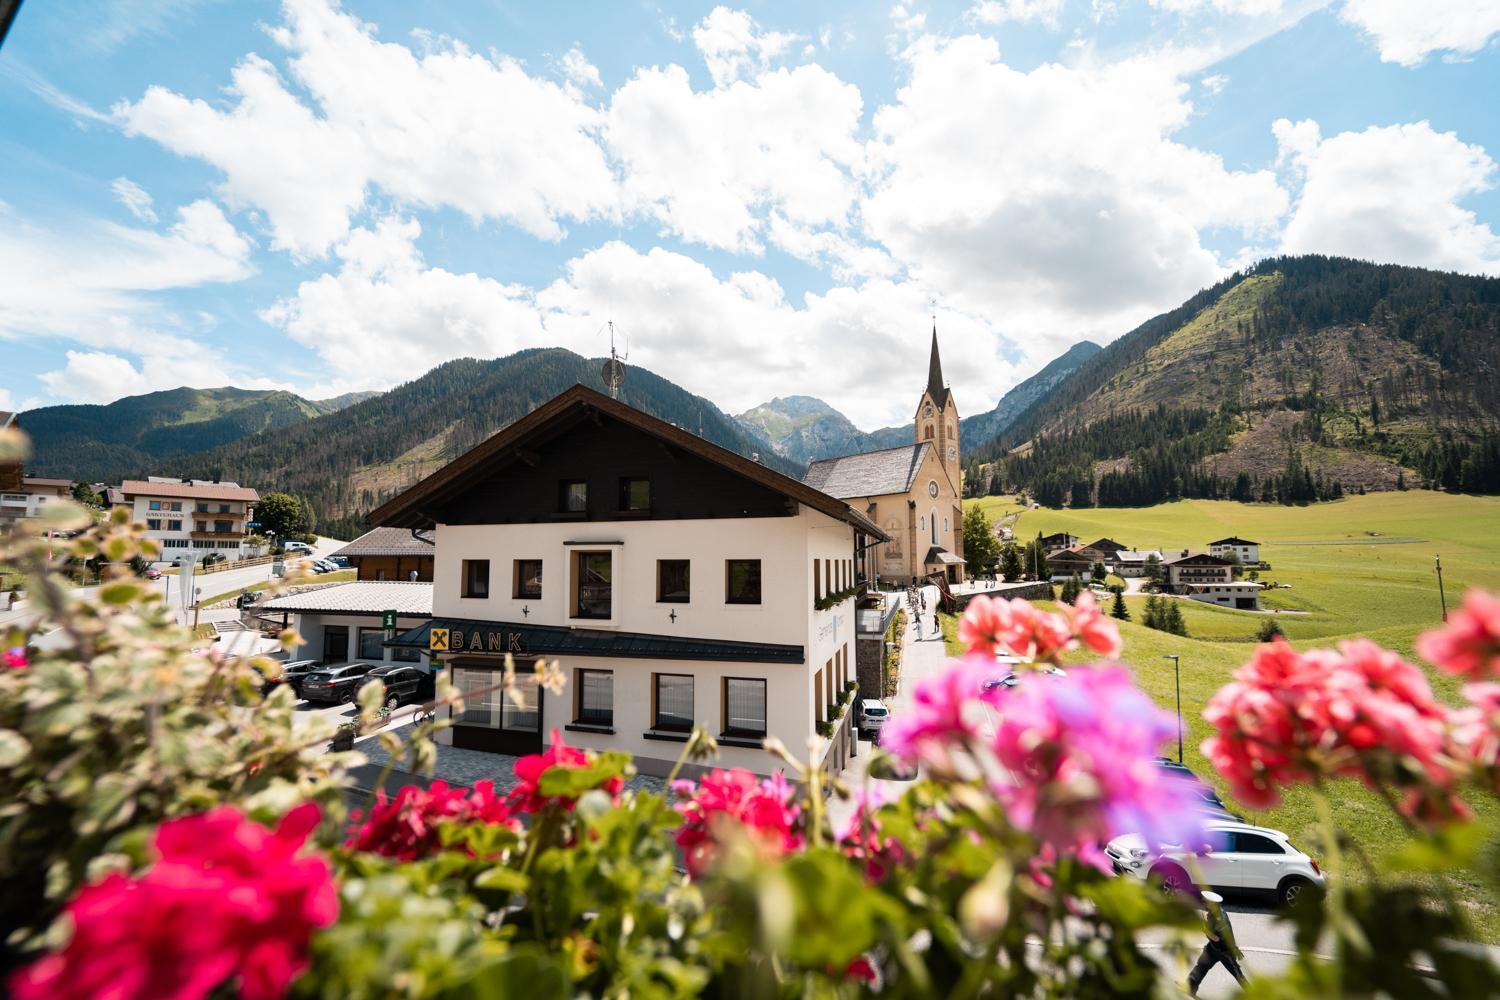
<point x="1172" y="618"/>
<point x="1269" y="630"/>
<point x="1011" y="566"/>
<point x="1152" y="618"/>
<point x="1118" y="609"/>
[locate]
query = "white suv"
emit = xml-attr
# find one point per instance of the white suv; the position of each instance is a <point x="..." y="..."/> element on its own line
<point x="872" y="716"/>
<point x="1237" y="857"/>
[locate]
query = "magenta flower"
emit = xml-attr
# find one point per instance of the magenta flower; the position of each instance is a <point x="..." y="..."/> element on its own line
<point x="15" y="658"/>
<point x="940" y="719"/>
<point x="995" y="625"/>
<point x="1469" y="644"/>
<point x="762" y="808"/>
<point x="1079" y="752"/>
<point x="227" y="900"/>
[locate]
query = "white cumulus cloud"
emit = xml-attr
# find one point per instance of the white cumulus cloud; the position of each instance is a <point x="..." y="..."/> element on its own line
<point x="1000" y="11"/>
<point x="1390" y="194"/>
<point x="733" y="45"/>
<point x="1408" y="31"/>
<point x="135" y="198"/>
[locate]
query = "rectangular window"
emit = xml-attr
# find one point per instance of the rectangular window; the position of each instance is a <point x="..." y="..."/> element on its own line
<point x="674" y="701"/>
<point x="744" y="706"/>
<point x="155" y="505"/>
<point x="176" y="505"/>
<point x="476" y="578"/>
<point x="593" y="579"/>
<point x="818" y="694"/>
<point x="528" y="580"/>
<point x="200" y="526"/>
<point x="672" y="581"/>
<point x="174" y="525"/>
<point x="406" y="655"/>
<point x="817" y="580"/>
<point x="596" y="697"/>
<point x="202" y="508"/>
<point x="153" y="523"/>
<point x="223" y="527"/>
<point x="370" y="647"/>
<point x="742" y="581"/>
<point x="481" y="706"/>
<point x="525" y="717"/>
<point x="828" y="574"/>
<point x="635" y="494"/>
<point x="223" y="508"/>
<point x="575" y="496"/>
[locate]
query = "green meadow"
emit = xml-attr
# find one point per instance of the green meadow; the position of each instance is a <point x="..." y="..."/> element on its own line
<point x="1362" y="566"/>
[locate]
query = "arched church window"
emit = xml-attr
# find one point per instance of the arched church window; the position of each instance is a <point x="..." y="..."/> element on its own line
<point x="927" y="435"/>
<point x="922" y="522"/>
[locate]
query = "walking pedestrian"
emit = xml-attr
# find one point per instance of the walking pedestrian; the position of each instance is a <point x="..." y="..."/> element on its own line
<point x="1220" y="948"/>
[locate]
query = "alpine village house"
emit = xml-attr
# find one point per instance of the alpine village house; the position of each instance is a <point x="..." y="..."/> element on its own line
<point x="677" y="583"/>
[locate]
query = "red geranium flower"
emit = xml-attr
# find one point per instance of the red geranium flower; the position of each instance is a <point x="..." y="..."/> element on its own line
<point x="227" y="900"/>
<point x="407" y="828"/>
<point x="736" y="799"/>
<point x="527" y="796"/>
<point x="1469" y="644"/>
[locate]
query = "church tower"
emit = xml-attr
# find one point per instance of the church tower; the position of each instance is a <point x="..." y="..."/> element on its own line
<point x="937" y="418"/>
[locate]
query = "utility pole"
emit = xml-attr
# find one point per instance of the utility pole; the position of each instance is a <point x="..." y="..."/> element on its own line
<point x="1442" y="598"/>
<point x="1177" y="673"/>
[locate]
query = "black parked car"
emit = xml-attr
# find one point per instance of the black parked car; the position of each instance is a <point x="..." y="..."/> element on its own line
<point x="1208" y="799"/>
<point x="335" y="684"/>
<point x="293" y="673"/>
<point x="404" y="683"/>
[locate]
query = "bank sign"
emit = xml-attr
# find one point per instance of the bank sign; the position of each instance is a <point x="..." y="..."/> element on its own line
<point x="475" y="640"/>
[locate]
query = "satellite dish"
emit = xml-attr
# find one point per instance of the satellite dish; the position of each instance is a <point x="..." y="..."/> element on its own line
<point x="614" y="373"/>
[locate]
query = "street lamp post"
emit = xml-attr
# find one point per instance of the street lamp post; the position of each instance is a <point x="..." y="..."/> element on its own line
<point x="1177" y="675"/>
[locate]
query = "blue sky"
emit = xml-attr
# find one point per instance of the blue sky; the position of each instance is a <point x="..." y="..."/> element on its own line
<point x="766" y="198"/>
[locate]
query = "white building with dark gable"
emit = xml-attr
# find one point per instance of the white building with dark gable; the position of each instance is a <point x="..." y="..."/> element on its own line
<point x="677" y="583"/>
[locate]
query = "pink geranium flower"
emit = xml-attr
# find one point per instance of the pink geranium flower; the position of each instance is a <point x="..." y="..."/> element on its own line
<point x="1360" y="711"/>
<point x="527" y="795"/>
<point x="721" y="801"/>
<point x="1098" y="632"/>
<point x="15" y="658"/>
<point x="408" y="827"/>
<point x="1469" y="643"/>
<point x="993" y="625"/>
<point x="937" y="722"/>
<point x="1079" y="752"/>
<point x="227" y="901"/>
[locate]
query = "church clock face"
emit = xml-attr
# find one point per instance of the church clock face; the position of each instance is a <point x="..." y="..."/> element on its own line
<point x="927" y="412"/>
<point x="952" y="453"/>
<point x="932" y="487"/>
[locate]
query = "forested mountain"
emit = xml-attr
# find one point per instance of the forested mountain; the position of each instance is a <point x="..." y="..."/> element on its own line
<point x="348" y="462"/>
<point x="136" y="434"/>
<point x="805" y="429"/>
<point x="1297" y="379"/>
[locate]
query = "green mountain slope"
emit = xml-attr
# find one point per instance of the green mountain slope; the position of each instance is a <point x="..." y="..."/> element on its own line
<point x="137" y="434"/>
<point x="1295" y="379"/>
<point x="348" y="462"/>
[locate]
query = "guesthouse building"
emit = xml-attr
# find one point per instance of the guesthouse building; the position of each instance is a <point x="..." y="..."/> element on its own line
<point x="676" y="583"/>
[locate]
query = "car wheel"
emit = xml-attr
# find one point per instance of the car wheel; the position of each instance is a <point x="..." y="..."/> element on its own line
<point x="1293" y="891"/>
<point x="392" y="702"/>
<point x="347" y="698"/>
<point x="1172" y="879"/>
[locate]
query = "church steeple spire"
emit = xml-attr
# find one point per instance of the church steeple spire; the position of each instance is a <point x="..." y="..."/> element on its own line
<point x="935" y="387"/>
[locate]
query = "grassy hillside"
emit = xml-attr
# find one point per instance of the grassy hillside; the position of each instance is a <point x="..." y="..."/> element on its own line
<point x="140" y="435"/>
<point x="1359" y="374"/>
<point x="1362" y="566"/>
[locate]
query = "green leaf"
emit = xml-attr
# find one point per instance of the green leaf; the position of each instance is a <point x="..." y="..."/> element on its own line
<point x="524" y="971"/>
<point x="501" y="879"/>
<point x="120" y="592"/>
<point x="13" y="748"/>
<point x="1453" y="848"/>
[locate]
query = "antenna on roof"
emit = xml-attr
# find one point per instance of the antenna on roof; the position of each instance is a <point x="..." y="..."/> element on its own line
<point x="614" y="368"/>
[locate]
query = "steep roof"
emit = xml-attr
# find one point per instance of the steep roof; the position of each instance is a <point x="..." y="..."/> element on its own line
<point x="388" y="542"/>
<point x="935" y="387"/>
<point x="1198" y="557"/>
<point x="40" y="481"/>
<point x="868" y="473"/>
<point x="363" y="597"/>
<point x="408" y="510"/>
<point x="187" y="491"/>
<point x="1234" y="540"/>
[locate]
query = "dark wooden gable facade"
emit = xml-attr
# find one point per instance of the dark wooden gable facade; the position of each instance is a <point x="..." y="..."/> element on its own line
<point x="528" y="484"/>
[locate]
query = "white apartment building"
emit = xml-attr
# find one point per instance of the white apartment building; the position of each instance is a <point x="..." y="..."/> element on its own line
<point x="676" y="583"/>
<point x="1240" y="594"/>
<point x="1242" y="549"/>
<point x="31" y="496"/>
<point x="193" y="517"/>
